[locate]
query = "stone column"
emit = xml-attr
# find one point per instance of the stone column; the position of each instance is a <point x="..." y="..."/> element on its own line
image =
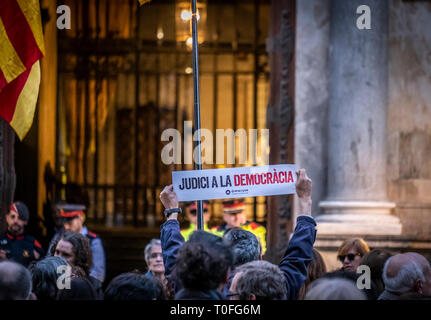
<point x="311" y="93"/>
<point x="356" y="201"/>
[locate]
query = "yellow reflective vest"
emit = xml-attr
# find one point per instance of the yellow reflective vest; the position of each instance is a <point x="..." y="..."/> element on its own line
<point x="187" y="232"/>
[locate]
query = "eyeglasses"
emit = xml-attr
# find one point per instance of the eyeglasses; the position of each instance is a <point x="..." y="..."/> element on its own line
<point x="350" y="256"/>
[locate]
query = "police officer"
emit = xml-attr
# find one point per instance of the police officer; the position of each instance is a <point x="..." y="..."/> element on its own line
<point x="14" y="243"/>
<point x="72" y="217"/>
<point x="234" y="216"/>
<point x="193" y="219"/>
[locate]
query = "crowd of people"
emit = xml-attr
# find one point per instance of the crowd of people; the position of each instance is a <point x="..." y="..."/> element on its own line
<point x="222" y="263"/>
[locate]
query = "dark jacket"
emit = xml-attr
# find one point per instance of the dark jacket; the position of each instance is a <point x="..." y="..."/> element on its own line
<point x="189" y="294"/>
<point x="20" y="248"/>
<point x="298" y="255"/>
<point x="80" y="289"/>
<point x="387" y="295"/>
<point x="97" y="285"/>
<point x="413" y="296"/>
<point x="172" y="240"/>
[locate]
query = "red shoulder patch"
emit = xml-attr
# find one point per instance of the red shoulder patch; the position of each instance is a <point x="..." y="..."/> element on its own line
<point x="254" y="225"/>
<point x="37" y="244"/>
<point x="92" y="234"/>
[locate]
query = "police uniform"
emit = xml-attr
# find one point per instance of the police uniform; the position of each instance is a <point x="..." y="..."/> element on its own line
<point x="186" y="233"/>
<point x="70" y="211"/>
<point x="236" y="206"/>
<point x="98" y="270"/>
<point x="20" y="248"/>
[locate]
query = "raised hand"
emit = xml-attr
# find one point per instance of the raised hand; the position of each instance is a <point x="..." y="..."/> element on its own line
<point x="303" y="190"/>
<point x="303" y="184"/>
<point x="169" y="197"/>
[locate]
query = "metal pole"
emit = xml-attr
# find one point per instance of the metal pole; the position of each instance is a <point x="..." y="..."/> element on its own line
<point x="197" y="117"/>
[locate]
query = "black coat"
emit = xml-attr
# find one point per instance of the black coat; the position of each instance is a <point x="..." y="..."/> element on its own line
<point x="191" y="294"/>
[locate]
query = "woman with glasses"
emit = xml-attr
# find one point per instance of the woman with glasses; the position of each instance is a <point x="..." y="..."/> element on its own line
<point x="351" y="252"/>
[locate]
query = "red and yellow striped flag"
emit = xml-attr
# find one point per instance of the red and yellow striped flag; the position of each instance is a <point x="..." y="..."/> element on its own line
<point x="21" y="47"/>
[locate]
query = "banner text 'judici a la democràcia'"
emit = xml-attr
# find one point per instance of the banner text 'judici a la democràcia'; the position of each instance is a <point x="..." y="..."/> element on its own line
<point x="234" y="182"/>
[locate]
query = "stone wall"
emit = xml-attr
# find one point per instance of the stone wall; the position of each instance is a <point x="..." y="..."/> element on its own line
<point x="409" y="116"/>
<point x="408" y="113"/>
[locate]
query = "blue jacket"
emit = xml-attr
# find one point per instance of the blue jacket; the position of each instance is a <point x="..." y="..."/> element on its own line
<point x="294" y="263"/>
<point x="98" y="270"/>
<point x="171" y="239"/>
<point x="298" y="255"/>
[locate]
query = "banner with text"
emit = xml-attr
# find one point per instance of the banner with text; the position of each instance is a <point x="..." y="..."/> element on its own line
<point x="234" y="182"/>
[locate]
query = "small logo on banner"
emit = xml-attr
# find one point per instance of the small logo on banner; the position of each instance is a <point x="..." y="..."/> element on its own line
<point x="240" y="192"/>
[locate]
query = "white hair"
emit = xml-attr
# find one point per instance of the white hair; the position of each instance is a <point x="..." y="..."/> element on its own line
<point x="405" y="279"/>
<point x="334" y="289"/>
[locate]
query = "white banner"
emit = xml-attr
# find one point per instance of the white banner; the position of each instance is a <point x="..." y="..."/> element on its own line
<point x="234" y="182"/>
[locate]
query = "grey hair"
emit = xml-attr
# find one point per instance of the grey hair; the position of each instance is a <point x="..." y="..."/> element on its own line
<point x="149" y="247"/>
<point x="262" y="279"/>
<point x="245" y="245"/>
<point x="405" y="279"/>
<point x="334" y="289"/>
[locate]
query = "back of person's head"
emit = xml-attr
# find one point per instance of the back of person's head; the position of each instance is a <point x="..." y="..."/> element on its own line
<point x="375" y="260"/>
<point x="203" y="261"/>
<point x="203" y="237"/>
<point x="352" y="276"/>
<point x="245" y="246"/>
<point x="334" y="289"/>
<point x="15" y="281"/>
<point x="315" y="270"/>
<point x="402" y="271"/>
<point x="370" y="293"/>
<point x="260" y="280"/>
<point x="357" y="244"/>
<point x="134" y="286"/>
<point x="45" y="274"/>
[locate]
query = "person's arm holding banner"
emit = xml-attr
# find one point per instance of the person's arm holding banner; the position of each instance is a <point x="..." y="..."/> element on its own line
<point x="300" y="250"/>
<point x="170" y="234"/>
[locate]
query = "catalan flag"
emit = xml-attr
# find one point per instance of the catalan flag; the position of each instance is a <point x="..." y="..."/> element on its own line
<point x="21" y="47"/>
